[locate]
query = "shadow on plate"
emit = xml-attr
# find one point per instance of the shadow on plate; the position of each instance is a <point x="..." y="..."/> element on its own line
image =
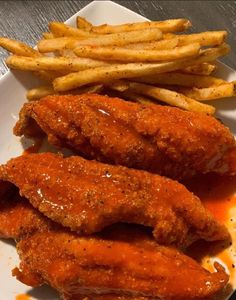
<point x="9" y="242"/>
<point x="26" y="79"/>
<point x="43" y="293"/>
<point x="31" y="146"/>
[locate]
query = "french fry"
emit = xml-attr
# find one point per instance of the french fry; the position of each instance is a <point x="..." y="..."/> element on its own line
<point x="134" y="55"/>
<point x="118" y="85"/>
<point x="47" y="76"/>
<point x="39" y="92"/>
<point x="177" y="78"/>
<point x="47" y="35"/>
<point x="211" y="93"/>
<point x="200" y="69"/>
<point x="158" y="45"/>
<point x="118" y="71"/>
<point x="118" y="39"/>
<point x="59" y="29"/>
<point x="65" y="64"/>
<point x="17" y="47"/>
<point x="67" y="53"/>
<point x="97" y="88"/>
<point x="83" y="24"/>
<point x="55" y="44"/>
<point x="137" y="97"/>
<point x="208" y="38"/>
<point x="165" y="26"/>
<point x="171" y="97"/>
<point x="42" y="91"/>
<point x="212" y="54"/>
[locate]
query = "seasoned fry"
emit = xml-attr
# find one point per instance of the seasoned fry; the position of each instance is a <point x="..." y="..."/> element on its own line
<point x="83" y="24"/>
<point x="60" y="30"/>
<point x="118" y="39"/>
<point x="200" y="69"/>
<point x="125" y="38"/>
<point x="215" y="92"/>
<point x="47" y="35"/>
<point x="171" y="97"/>
<point x="158" y="45"/>
<point x="55" y="44"/>
<point x="40" y="92"/>
<point x="47" y="76"/>
<point x="67" y="53"/>
<point x="177" y="78"/>
<point x="118" y="71"/>
<point x="65" y="64"/>
<point x="137" y="97"/>
<point x="97" y="88"/>
<point x="17" y="47"/>
<point x="208" y="38"/>
<point x="212" y="54"/>
<point x="134" y="55"/>
<point x="165" y="26"/>
<point x="118" y="85"/>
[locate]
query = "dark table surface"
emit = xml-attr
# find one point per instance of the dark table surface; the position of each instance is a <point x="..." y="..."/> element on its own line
<point x="26" y="20"/>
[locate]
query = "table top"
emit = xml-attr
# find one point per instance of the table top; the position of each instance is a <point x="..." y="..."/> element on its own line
<point x="26" y="20"/>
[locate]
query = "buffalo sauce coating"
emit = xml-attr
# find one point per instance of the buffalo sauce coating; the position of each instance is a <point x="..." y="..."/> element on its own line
<point x="107" y="266"/>
<point x="71" y="192"/>
<point x="165" y="140"/>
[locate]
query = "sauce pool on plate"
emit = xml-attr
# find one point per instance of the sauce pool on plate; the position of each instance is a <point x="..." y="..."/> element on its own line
<point x="217" y="193"/>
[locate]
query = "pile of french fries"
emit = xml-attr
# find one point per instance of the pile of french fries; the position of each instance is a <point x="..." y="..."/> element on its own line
<point x="144" y="62"/>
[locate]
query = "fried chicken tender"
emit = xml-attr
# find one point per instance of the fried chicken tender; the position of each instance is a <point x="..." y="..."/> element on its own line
<point x="123" y="262"/>
<point x="161" y="139"/>
<point x="87" y="196"/>
<point x="17" y="217"/>
<point x="105" y="297"/>
<point x="92" y="265"/>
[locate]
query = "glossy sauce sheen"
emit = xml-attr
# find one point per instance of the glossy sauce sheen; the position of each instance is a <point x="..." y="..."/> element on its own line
<point x="70" y="191"/>
<point x="160" y="139"/>
<point x="218" y="195"/>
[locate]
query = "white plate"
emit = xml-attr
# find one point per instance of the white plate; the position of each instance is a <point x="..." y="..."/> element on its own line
<point x="13" y="86"/>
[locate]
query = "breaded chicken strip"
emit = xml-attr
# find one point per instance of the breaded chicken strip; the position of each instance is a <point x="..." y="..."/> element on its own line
<point x="87" y="196"/>
<point x="77" y="265"/>
<point x="123" y="262"/>
<point x="160" y="139"/>
<point x="17" y="216"/>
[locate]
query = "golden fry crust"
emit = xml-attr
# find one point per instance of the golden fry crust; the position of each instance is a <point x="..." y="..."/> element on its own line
<point x="160" y="139"/>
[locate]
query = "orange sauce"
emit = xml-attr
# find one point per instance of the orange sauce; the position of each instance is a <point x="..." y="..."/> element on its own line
<point x="33" y="149"/>
<point x="217" y="194"/>
<point x="22" y="297"/>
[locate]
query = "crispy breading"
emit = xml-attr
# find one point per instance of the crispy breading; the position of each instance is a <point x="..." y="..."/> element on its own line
<point x="161" y="139"/>
<point x="91" y="265"/>
<point x="17" y="217"/>
<point x="87" y="196"/>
